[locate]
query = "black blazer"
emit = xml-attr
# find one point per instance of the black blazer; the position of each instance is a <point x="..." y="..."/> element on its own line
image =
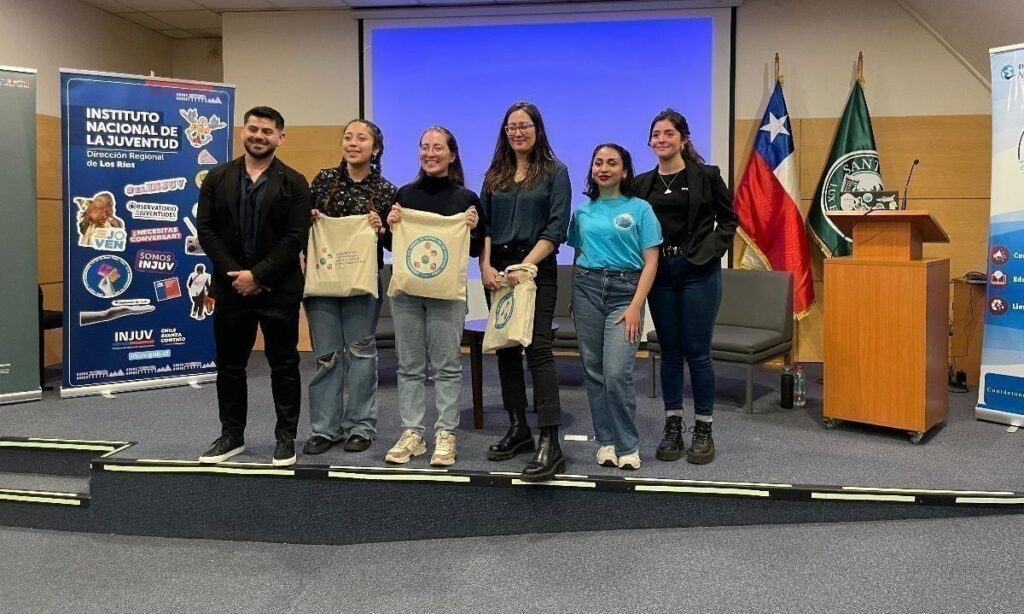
<point x="711" y="220"/>
<point x="284" y="228"/>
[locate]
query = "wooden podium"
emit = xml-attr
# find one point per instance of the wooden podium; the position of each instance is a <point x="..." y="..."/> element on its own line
<point x="886" y="314"/>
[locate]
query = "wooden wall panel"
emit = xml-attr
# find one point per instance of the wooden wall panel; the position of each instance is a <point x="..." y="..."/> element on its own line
<point x="49" y="235"/>
<point x="307" y="149"/>
<point x="955" y="153"/>
<point x="48" y="157"/>
<point x="966" y="222"/>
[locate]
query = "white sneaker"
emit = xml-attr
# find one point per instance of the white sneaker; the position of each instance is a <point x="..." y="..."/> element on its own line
<point x="409" y="445"/>
<point x="606" y="456"/>
<point x="444" y="449"/>
<point x="630" y="461"/>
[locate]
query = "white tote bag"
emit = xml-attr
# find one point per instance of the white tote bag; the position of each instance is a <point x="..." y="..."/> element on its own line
<point x="341" y="257"/>
<point x="510" y="321"/>
<point x="430" y="255"/>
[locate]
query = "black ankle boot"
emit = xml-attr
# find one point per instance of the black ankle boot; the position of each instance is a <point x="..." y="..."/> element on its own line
<point x="517" y="440"/>
<point x="671" y="446"/>
<point x="548" y="461"/>
<point x="703" y="449"/>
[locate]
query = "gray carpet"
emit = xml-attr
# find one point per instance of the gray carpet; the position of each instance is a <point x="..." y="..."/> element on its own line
<point x="49" y="483"/>
<point x="772" y="445"/>
<point x="935" y="566"/>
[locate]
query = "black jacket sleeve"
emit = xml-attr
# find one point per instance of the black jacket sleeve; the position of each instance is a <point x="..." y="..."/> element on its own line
<point x="726" y="219"/>
<point x="208" y="228"/>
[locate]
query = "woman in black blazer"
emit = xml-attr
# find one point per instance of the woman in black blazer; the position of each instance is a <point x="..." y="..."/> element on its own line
<point x="694" y="207"/>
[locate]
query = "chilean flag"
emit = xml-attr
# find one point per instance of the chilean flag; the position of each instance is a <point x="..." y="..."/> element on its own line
<point x="766" y="203"/>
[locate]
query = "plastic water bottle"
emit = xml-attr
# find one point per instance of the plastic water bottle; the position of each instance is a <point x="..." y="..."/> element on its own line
<point x="799" y="387"/>
<point x="786" y="402"/>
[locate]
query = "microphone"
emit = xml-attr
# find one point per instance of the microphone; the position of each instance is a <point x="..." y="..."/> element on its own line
<point x="907" y="185"/>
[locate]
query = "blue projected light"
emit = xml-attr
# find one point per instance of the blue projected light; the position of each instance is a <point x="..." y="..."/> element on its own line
<point x="593" y="81"/>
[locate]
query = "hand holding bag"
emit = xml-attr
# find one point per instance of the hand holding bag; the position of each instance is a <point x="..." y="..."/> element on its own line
<point x="510" y="321"/>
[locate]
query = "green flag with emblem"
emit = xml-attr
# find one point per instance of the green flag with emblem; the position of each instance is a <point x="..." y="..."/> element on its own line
<point x="852" y="166"/>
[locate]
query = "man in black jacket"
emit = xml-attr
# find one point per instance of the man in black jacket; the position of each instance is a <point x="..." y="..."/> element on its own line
<point x="253" y="222"/>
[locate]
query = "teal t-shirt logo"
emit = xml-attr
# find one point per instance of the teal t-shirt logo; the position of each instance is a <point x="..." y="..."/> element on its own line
<point x="427" y="257"/>
<point x="624" y="221"/>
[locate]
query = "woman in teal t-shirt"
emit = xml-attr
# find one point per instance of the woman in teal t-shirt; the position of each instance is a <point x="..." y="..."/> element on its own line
<point x="616" y="237"/>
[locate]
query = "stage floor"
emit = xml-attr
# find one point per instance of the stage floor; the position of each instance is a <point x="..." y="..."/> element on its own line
<point x="772" y="445"/>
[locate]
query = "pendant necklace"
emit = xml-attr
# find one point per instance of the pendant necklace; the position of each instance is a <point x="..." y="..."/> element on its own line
<point x="668" y="184"/>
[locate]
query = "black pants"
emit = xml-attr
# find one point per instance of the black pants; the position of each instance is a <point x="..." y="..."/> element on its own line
<point x="539" y="357"/>
<point x="234" y="332"/>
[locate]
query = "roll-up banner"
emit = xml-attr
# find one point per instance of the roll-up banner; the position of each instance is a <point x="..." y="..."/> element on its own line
<point x="19" y="303"/>
<point x="137" y="306"/>
<point x="1001" y="392"/>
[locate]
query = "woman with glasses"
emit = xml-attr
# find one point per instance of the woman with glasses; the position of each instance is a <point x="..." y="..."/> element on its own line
<point x="694" y="207"/>
<point x="616" y="236"/>
<point x="342" y="329"/>
<point x="430" y="328"/>
<point x="526" y="202"/>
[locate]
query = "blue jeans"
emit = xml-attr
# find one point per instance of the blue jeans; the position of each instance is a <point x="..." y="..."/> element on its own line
<point x="428" y="327"/>
<point x="684" y="304"/>
<point x="342" y="331"/>
<point x="598" y="299"/>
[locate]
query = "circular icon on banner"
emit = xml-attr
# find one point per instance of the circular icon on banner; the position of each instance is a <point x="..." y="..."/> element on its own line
<point x="624" y="221"/>
<point x="427" y="257"/>
<point x="1007" y="72"/>
<point x="200" y="176"/>
<point x="997" y="306"/>
<point x="107" y="276"/>
<point x="1000" y="255"/>
<point x="503" y="311"/>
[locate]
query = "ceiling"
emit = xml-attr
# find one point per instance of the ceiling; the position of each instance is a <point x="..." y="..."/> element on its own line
<point x="968" y="28"/>
<point x="181" y="19"/>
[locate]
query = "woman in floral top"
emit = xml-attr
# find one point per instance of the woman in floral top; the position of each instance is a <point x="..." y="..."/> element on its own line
<point x="343" y="329"/>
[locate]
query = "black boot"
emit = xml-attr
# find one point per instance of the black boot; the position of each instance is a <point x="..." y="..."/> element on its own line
<point x="548" y="461"/>
<point x="517" y="440"/>
<point x="671" y="446"/>
<point x="702" y="451"/>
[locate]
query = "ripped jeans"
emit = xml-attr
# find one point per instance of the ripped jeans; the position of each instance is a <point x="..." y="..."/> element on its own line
<point x="342" y="331"/>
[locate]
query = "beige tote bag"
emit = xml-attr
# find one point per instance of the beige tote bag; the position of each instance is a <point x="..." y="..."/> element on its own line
<point x="430" y="255"/>
<point x="510" y="321"/>
<point x="341" y="257"/>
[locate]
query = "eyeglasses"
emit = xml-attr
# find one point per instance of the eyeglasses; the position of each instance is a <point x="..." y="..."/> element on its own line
<point x="514" y="128"/>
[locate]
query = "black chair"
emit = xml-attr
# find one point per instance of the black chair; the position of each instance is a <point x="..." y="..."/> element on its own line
<point x="754" y="323"/>
<point x="48" y="319"/>
<point x="565" y="336"/>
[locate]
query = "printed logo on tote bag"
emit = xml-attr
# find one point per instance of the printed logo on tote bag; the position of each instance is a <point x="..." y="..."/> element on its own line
<point x="504" y="310"/>
<point x="427" y="257"/>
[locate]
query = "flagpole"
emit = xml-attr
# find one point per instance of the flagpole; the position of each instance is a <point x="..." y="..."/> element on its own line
<point x="860" y="68"/>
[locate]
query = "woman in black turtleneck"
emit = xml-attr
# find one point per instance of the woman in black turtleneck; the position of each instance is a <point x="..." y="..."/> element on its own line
<point x="428" y="327"/>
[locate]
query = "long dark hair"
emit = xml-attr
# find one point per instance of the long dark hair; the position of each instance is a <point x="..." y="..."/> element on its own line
<point x="689" y="152"/>
<point x="628" y="185"/>
<point x="455" y="173"/>
<point x="374" y="182"/>
<point x="501" y="174"/>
